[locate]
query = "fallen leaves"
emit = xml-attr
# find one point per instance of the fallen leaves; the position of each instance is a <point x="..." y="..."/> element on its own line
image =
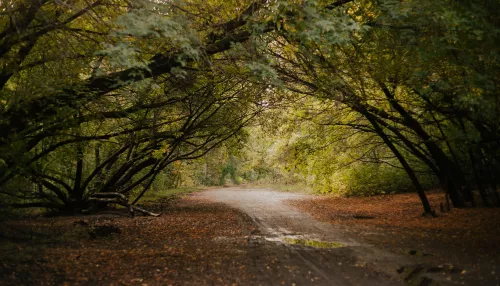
<point x="469" y="236"/>
<point x="177" y="247"/>
<point x="402" y="211"/>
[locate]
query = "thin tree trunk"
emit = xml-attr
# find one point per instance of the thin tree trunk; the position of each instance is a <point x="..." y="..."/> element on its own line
<point x="479" y="182"/>
<point x="97" y="155"/>
<point x="77" y="188"/>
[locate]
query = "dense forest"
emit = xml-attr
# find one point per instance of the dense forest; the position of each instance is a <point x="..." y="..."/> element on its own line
<point x="102" y="101"/>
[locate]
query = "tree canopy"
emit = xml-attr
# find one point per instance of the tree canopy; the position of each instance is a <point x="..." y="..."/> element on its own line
<point x="99" y="98"/>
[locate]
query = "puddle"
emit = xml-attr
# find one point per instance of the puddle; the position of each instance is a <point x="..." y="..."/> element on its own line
<point x="302" y="240"/>
<point x="272" y="239"/>
<point x="313" y="243"/>
<point x="281" y="238"/>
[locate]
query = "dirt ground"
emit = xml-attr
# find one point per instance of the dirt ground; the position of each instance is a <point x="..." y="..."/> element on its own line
<point x="466" y="241"/>
<point x="238" y="237"/>
<point x="191" y="243"/>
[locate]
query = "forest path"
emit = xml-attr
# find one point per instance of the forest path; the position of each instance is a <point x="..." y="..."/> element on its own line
<point x="355" y="263"/>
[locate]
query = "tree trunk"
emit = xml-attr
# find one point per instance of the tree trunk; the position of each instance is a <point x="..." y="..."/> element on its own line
<point x="468" y="196"/>
<point x="420" y="191"/>
<point x="447" y="167"/>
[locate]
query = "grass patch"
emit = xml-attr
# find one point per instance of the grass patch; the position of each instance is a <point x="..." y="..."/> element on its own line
<point x="313" y="243"/>
<point x="290" y="188"/>
<point x="158" y="194"/>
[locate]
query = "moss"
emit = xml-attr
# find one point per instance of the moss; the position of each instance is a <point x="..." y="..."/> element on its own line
<point x="313" y="243"/>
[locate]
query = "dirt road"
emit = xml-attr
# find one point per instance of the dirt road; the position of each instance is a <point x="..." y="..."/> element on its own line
<point x="284" y="230"/>
<point x="282" y="226"/>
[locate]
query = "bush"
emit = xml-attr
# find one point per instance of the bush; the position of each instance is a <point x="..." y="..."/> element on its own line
<point x="364" y="179"/>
